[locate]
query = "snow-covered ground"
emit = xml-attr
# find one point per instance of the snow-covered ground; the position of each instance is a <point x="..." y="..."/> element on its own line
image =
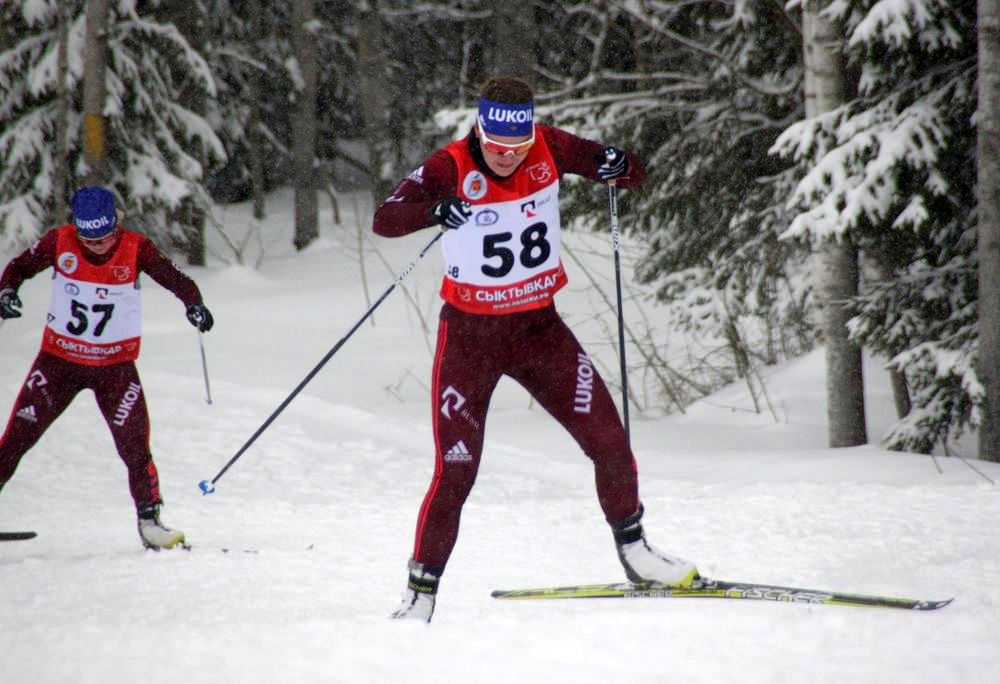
<point x="318" y="515"/>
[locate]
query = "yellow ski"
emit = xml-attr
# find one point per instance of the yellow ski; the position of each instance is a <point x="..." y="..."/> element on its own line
<point x="707" y="588"/>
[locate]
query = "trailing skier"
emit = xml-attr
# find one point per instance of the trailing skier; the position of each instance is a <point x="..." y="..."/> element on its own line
<point x="92" y="339"/>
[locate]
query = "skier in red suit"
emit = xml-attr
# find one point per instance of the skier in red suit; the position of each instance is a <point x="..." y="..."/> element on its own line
<point x="495" y="193"/>
<point x="92" y="339"/>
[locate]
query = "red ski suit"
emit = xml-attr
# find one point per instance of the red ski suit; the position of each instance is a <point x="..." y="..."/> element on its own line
<point x="64" y="367"/>
<point x="511" y="328"/>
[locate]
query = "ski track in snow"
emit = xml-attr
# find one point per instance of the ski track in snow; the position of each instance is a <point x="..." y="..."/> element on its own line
<point x="318" y="516"/>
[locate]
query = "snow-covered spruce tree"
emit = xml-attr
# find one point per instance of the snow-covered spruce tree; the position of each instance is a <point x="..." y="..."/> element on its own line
<point x="701" y="90"/>
<point x="896" y="172"/>
<point x="28" y="128"/>
<point x="154" y="142"/>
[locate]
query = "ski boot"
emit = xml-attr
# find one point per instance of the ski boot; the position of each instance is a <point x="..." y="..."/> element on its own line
<point x="421" y="591"/>
<point x="646" y="563"/>
<point x="154" y="534"/>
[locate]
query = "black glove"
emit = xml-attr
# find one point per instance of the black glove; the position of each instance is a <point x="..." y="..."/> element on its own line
<point x="9" y="304"/>
<point x="452" y="212"/>
<point x="200" y="317"/>
<point x="614" y="164"/>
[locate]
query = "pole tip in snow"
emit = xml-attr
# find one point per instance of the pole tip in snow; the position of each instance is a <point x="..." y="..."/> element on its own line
<point x="206" y="487"/>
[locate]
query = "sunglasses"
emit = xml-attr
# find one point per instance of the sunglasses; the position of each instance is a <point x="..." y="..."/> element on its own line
<point x="503" y="149"/>
<point x="101" y="241"/>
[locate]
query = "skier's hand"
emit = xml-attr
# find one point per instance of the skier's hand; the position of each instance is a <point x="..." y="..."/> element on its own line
<point x="452" y="213"/>
<point x="9" y="304"/>
<point x="200" y="317"/>
<point x="614" y="164"/>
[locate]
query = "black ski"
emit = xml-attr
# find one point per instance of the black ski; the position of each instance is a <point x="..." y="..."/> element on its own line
<point x="17" y="536"/>
<point x="707" y="588"/>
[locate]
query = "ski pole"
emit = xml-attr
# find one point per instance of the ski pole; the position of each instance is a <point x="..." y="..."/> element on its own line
<point x="204" y="367"/>
<point x="206" y="486"/>
<point x="613" y="210"/>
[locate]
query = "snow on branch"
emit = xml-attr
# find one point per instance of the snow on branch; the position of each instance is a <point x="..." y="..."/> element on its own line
<point x="897" y="22"/>
<point x="857" y="154"/>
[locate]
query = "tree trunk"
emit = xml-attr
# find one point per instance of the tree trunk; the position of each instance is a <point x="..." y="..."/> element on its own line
<point x="837" y="269"/>
<point x="256" y="154"/>
<point x="476" y="35"/>
<point x="375" y="99"/>
<point x="879" y="268"/>
<point x="60" y="181"/>
<point x="194" y="231"/>
<point x="304" y="124"/>
<point x="259" y="29"/>
<point x="988" y="196"/>
<point x="514" y="38"/>
<point x="900" y="393"/>
<point x="619" y="53"/>
<point x="94" y="92"/>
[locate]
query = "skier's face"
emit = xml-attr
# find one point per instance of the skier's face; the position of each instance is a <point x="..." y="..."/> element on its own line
<point x="504" y="153"/>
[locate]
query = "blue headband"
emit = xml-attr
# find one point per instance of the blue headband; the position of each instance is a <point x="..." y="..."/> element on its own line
<point x="94" y="212"/>
<point x="504" y="118"/>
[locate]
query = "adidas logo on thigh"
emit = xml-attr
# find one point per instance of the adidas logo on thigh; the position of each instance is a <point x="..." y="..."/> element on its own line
<point x="28" y="413"/>
<point x="458" y="453"/>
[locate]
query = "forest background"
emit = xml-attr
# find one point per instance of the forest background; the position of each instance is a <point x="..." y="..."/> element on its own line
<point x="820" y="172"/>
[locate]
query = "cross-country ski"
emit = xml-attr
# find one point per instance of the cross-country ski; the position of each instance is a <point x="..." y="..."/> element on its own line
<point x="720" y="589"/>
<point x="223" y="549"/>
<point x="17" y="536"/>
